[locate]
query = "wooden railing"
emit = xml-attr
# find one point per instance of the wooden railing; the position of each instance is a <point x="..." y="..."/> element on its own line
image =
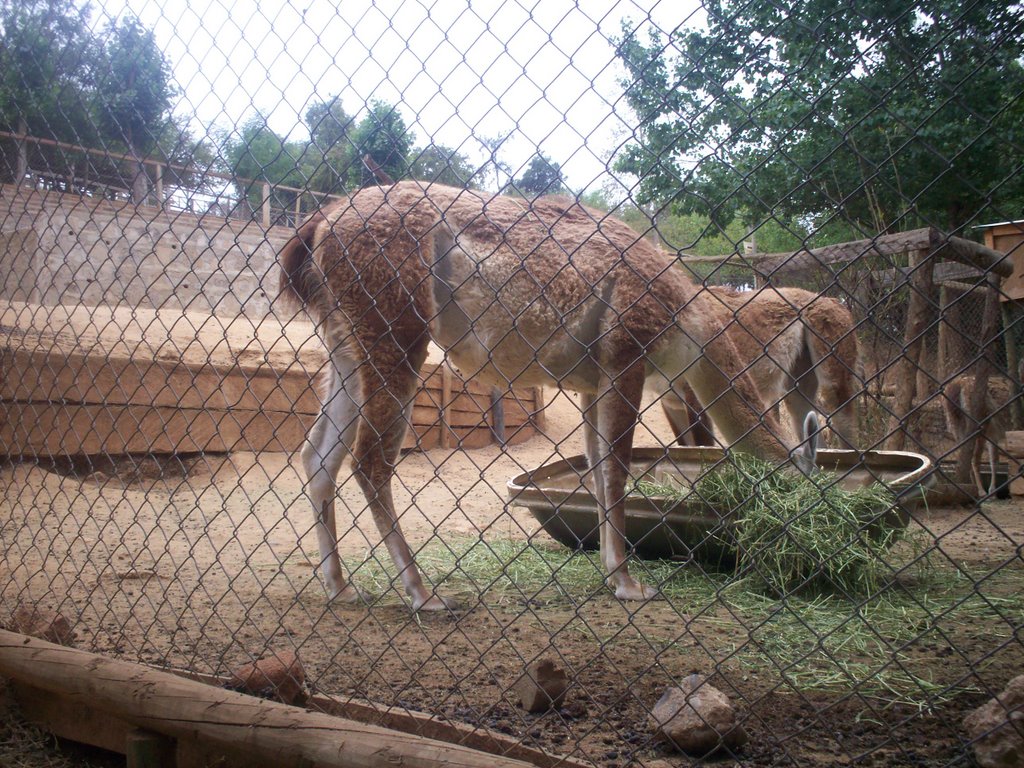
<point x="150" y="188"/>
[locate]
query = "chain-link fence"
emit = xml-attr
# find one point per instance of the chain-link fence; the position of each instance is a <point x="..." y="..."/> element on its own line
<point x="465" y="348"/>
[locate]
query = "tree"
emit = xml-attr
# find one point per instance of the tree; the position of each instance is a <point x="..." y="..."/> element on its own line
<point x="259" y="154"/>
<point x="133" y="93"/>
<point x="494" y="165"/>
<point x="440" y="164"/>
<point x="329" y="160"/>
<point x="543" y="176"/>
<point x="383" y="136"/>
<point x="46" y="64"/>
<point x="887" y="115"/>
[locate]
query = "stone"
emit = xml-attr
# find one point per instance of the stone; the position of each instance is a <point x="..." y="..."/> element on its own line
<point x="996" y="728"/>
<point x="280" y="677"/>
<point x="43" y="623"/>
<point x="697" y="718"/>
<point x="542" y="687"/>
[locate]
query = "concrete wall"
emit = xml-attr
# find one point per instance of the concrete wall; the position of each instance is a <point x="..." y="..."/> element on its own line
<point x="62" y="249"/>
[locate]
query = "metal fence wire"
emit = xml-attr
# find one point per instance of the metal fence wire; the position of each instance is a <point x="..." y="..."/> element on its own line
<point x="458" y="347"/>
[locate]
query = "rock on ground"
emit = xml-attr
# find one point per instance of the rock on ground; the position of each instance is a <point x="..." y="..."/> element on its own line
<point x="542" y="686"/>
<point x="997" y="728"/>
<point x="697" y="718"/>
<point x="280" y="677"/>
<point x="43" y="623"/>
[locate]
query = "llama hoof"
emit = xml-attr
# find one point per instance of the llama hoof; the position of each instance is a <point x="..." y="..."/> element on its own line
<point x="436" y="603"/>
<point x="634" y="590"/>
<point x="350" y="594"/>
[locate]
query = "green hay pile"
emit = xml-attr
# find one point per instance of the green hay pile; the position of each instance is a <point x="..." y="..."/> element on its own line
<point x="791" y="532"/>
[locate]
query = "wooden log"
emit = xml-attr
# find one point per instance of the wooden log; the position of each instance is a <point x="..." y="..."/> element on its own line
<point x="970" y="253"/>
<point x="883" y="245"/>
<point x="275" y="733"/>
<point x="928" y="239"/>
<point x="408" y="720"/>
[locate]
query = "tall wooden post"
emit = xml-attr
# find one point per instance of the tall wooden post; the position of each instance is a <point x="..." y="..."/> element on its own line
<point x="919" y="312"/>
<point x="160" y="185"/>
<point x="22" y="170"/>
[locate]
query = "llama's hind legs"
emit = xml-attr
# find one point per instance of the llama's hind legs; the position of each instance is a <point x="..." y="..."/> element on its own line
<point x="328" y="443"/>
<point x="379" y="441"/>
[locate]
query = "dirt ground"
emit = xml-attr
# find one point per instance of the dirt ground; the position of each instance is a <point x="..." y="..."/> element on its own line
<point x="209" y="562"/>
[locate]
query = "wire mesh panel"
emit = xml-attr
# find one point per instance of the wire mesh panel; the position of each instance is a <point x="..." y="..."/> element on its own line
<point x="630" y="382"/>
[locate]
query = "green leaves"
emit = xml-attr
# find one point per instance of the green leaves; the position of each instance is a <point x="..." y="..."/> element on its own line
<point x="543" y="176"/>
<point x="891" y="115"/>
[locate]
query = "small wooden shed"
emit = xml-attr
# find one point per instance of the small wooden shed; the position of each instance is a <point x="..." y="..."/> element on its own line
<point x="1008" y="237"/>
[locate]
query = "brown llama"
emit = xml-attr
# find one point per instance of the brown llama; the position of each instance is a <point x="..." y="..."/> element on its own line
<point x="801" y="350"/>
<point x="991" y="428"/>
<point x="518" y="293"/>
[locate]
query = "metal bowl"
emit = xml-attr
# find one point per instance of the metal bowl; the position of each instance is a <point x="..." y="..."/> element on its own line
<point x="560" y="497"/>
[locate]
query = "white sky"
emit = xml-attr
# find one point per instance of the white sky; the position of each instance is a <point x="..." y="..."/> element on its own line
<point x="542" y="69"/>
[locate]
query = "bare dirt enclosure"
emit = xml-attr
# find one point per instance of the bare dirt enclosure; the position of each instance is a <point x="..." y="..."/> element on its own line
<point x="207" y="560"/>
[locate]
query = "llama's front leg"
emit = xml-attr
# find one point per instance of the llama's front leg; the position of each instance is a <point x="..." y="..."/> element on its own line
<point x="595" y="449"/>
<point x="325" y="450"/>
<point x="618" y="409"/>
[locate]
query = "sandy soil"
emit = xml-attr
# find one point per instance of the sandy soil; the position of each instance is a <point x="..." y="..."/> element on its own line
<point x="208" y="561"/>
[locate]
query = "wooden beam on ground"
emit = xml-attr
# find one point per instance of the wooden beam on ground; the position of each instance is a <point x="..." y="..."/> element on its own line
<point x="272" y="733"/>
<point x="421" y="724"/>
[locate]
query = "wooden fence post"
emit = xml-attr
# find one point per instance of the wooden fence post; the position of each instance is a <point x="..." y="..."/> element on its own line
<point x="445" y="438"/>
<point x="498" y="415"/>
<point x="922" y="267"/>
<point x="22" y="140"/>
<point x="159" y="185"/>
<point x="266" y="206"/>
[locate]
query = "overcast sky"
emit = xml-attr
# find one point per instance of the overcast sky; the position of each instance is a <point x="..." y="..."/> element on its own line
<point x="543" y="71"/>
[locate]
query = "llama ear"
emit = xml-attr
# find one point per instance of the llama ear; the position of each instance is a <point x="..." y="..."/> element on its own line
<point x="812" y="435"/>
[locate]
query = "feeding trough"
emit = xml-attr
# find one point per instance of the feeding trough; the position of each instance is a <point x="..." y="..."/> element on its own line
<point x="560" y="497"/>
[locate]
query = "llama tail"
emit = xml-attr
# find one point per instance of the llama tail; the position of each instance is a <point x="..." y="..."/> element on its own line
<point x="298" y="287"/>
